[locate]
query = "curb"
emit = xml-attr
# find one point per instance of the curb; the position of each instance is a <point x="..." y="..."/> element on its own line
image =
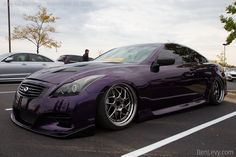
<point x="231" y="91"/>
<point x="231" y="94"/>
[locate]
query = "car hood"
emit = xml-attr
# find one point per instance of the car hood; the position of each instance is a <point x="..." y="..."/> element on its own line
<point x="75" y="71"/>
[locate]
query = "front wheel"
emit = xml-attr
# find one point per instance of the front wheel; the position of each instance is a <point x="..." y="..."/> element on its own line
<point x="117" y="107"/>
<point x="217" y="93"/>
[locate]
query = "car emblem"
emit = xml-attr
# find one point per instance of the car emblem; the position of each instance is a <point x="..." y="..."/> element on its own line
<point x="26" y="89"/>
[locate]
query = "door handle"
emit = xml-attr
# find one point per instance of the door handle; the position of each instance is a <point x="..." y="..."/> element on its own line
<point x="24" y="64"/>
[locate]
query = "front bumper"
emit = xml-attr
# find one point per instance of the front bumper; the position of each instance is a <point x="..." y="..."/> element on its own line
<point x="86" y="131"/>
<point x="58" y="117"/>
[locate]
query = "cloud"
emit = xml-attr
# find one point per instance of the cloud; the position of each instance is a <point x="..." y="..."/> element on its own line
<point x="104" y="24"/>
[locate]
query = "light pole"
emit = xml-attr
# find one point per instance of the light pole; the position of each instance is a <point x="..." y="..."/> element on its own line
<point x="224" y="53"/>
<point x="9" y="25"/>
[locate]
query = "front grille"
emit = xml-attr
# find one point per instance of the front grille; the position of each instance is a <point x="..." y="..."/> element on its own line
<point x="30" y="89"/>
<point x="233" y="75"/>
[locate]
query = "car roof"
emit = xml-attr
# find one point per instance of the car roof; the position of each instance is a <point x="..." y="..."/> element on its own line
<point x="145" y="44"/>
<point x="13" y="53"/>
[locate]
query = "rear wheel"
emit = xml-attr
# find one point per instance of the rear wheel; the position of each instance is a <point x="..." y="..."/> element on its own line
<point x="117" y="108"/>
<point x="217" y="93"/>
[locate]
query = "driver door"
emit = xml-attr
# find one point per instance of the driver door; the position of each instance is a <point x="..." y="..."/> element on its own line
<point x="170" y="86"/>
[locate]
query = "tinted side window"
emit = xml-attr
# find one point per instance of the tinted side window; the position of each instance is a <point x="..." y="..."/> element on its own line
<point x="200" y="58"/>
<point x="38" y="58"/>
<point x="172" y="51"/>
<point x="78" y="58"/>
<point x="46" y="59"/>
<point x="20" y="57"/>
<point x="187" y="55"/>
<point x="192" y="56"/>
<point x="196" y="57"/>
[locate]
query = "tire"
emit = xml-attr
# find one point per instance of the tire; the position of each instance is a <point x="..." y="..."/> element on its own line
<point x="117" y="107"/>
<point x="217" y="92"/>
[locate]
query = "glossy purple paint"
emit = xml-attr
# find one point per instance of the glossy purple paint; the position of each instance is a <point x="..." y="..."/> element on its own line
<point x="173" y="85"/>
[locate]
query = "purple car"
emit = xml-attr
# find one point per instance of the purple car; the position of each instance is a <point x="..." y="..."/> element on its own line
<point x="120" y="86"/>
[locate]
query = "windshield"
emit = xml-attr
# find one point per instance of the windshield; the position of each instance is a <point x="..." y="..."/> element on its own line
<point x="3" y="56"/>
<point x="129" y="54"/>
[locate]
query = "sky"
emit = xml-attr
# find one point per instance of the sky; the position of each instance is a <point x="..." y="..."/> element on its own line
<point x="100" y="25"/>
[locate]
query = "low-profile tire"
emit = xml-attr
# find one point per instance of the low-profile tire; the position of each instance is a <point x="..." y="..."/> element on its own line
<point x="117" y="107"/>
<point x="217" y="92"/>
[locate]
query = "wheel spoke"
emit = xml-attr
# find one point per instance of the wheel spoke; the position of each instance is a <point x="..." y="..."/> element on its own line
<point x="113" y="96"/>
<point x="109" y="108"/>
<point x="127" y="105"/>
<point x="113" y="92"/>
<point x="125" y="94"/>
<point x="112" y="113"/>
<point x="109" y="103"/>
<point x="116" y="119"/>
<point x="118" y="92"/>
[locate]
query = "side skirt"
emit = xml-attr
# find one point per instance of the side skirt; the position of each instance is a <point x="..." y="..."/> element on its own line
<point x="179" y="107"/>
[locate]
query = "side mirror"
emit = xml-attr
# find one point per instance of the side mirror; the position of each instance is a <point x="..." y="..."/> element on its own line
<point x="8" y="60"/>
<point x="155" y="67"/>
<point x="166" y="61"/>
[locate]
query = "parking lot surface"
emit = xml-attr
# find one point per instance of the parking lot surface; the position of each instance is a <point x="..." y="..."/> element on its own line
<point x="215" y="140"/>
<point x="231" y="85"/>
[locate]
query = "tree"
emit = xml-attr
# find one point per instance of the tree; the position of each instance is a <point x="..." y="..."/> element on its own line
<point x="37" y="32"/>
<point x="229" y="23"/>
<point x="221" y="59"/>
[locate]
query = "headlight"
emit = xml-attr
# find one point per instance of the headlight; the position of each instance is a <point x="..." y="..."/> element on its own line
<point x="75" y="87"/>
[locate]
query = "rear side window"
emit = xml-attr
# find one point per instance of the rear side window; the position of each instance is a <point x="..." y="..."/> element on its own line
<point x="183" y="54"/>
<point x="20" y="57"/>
<point x="195" y="57"/>
<point x="172" y="51"/>
<point x="76" y="58"/>
<point x="38" y="58"/>
<point x="201" y="59"/>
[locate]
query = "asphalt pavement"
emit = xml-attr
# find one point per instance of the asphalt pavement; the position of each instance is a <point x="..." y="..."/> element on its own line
<point x="231" y="85"/>
<point x="215" y="140"/>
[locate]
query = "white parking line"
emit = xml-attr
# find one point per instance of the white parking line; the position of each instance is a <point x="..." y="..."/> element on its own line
<point x="176" y="137"/>
<point x="7" y="92"/>
<point x="8" y="109"/>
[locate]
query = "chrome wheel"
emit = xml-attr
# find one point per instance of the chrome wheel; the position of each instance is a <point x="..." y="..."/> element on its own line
<point x="218" y="92"/>
<point x="120" y="104"/>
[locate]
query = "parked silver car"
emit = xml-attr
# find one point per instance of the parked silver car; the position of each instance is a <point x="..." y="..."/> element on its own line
<point x="16" y="66"/>
<point x="230" y="74"/>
